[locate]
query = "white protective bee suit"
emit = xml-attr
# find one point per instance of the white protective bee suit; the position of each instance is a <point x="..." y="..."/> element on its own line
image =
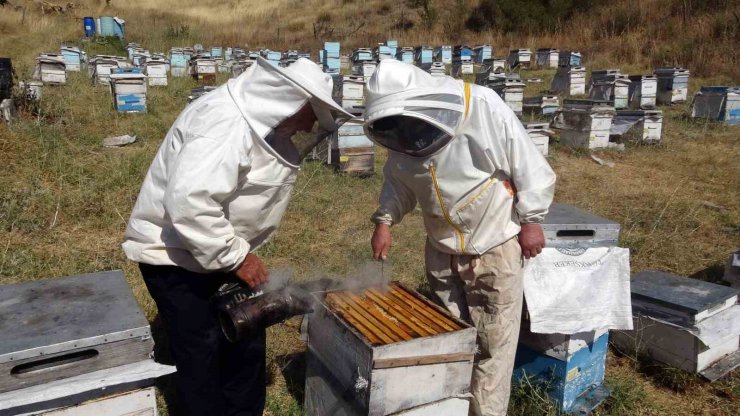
<point x="480" y="179"/>
<point x="216" y="190"/>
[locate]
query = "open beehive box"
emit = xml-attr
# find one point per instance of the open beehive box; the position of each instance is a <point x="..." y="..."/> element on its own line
<point x="380" y="345"/>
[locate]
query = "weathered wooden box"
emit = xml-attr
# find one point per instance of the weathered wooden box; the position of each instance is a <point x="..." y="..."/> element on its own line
<point x="540" y="135"/>
<point x="642" y="91"/>
<point x="511" y="90"/>
<point x="543" y="104"/>
<point x="51" y="69"/>
<point x="570" y="80"/>
<point x="572" y="366"/>
<point x="156" y="72"/>
<point x="567" y="226"/>
<point x="351" y="151"/>
<point x="673" y="85"/>
<point x="717" y="103"/>
<point x="128" y="88"/>
<point x="325" y="396"/>
<point x="585" y="123"/>
<point x="59" y="328"/>
<point x="75" y="392"/>
<point x="390" y="349"/>
<point x="685" y="323"/>
<point x="138" y="402"/>
<point x="547" y="58"/>
<point x="646" y="124"/>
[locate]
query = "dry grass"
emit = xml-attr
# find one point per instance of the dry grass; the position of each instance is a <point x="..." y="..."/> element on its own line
<point x="64" y="201"/>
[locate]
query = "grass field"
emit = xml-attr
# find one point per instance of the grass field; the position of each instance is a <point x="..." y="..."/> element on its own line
<point x="64" y="200"/>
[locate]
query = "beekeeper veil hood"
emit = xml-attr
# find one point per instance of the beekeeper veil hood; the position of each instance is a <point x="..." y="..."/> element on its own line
<point x="267" y="95"/>
<point x="409" y="111"/>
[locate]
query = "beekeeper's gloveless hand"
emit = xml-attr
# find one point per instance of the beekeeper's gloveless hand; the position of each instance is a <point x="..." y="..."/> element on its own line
<point x="532" y="240"/>
<point x="381" y="241"/>
<point x="252" y="271"/>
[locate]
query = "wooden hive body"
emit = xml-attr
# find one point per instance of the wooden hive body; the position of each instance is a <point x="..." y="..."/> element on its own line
<point x="380" y="347"/>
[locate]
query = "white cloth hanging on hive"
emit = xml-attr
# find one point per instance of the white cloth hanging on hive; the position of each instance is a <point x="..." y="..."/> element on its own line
<point x="578" y="290"/>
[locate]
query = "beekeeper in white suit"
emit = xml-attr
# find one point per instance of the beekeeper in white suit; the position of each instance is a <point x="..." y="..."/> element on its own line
<point x="483" y="187"/>
<point x="216" y="192"/>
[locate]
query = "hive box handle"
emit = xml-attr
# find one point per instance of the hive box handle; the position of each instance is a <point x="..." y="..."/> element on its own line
<point x="576" y="234"/>
<point x="52" y="363"/>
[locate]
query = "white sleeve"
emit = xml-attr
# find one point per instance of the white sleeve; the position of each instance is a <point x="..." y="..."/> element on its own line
<point x="396" y="199"/>
<point x="205" y="173"/>
<point x="533" y="177"/>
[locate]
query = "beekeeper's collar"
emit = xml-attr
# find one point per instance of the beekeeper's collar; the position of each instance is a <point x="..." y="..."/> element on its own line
<point x="266" y="95"/>
<point x="400" y="89"/>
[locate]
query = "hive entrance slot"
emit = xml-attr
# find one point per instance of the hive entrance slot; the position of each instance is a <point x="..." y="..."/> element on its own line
<point x="53" y="362"/>
<point x="576" y="234"/>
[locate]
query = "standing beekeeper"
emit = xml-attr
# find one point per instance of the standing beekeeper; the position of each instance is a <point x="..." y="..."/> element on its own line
<point x="483" y="187"/>
<point x="216" y="192"/>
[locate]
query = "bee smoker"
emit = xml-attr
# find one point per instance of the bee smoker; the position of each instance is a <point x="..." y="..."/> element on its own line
<point x="242" y="312"/>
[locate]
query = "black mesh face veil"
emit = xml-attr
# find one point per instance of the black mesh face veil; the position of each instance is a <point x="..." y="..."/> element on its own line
<point x="409" y="135"/>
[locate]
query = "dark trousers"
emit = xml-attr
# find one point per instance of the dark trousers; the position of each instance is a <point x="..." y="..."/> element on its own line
<point x="214" y="377"/>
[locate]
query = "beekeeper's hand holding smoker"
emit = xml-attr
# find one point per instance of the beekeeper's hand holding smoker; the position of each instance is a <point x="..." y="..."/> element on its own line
<point x="216" y="192"/>
<point x="483" y="187"/>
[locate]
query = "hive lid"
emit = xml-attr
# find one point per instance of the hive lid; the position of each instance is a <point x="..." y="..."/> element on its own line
<point x="660" y="293"/>
<point x="59" y="314"/>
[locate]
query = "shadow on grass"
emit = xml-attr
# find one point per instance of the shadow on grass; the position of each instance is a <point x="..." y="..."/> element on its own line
<point x="293" y="367"/>
<point x="677" y="380"/>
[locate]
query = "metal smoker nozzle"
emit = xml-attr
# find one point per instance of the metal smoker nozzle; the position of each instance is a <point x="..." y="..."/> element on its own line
<point x="242" y="314"/>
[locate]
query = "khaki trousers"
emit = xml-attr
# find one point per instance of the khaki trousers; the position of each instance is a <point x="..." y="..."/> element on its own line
<point x="487" y="292"/>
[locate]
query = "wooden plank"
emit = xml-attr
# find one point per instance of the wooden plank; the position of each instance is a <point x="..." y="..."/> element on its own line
<point x="418" y="312"/>
<point x="428" y="325"/>
<point x="366" y="332"/>
<point x="442" y="320"/>
<point x="383" y="319"/>
<point x="423" y="360"/>
<point x="16" y="375"/>
<point x="367" y="323"/>
<point x="418" y="327"/>
<point x="359" y="311"/>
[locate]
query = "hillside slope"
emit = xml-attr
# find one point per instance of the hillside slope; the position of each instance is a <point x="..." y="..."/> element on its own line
<point x="701" y="35"/>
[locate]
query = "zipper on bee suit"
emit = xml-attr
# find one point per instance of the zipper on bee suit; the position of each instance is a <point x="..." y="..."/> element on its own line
<point x="433" y="171"/>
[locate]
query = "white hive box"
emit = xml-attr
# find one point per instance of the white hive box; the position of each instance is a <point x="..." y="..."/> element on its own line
<point x="102" y="68"/>
<point x="350" y="150"/>
<point x="717" y="103"/>
<point x="156" y="72"/>
<point x="389" y="350"/>
<point x="511" y="90"/>
<point x="96" y="391"/>
<point x="647" y="125"/>
<point x="610" y="85"/>
<point x="128" y="88"/>
<point x="520" y="58"/>
<point x="544" y="104"/>
<point x="570" y="80"/>
<point x="547" y="58"/>
<point x="73" y="58"/>
<point x="732" y="270"/>
<point x="673" y="85"/>
<point x="325" y="396"/>
<point x="685" y="323"/>
<point x="585" y="123"/>
<point x="642" y="92"/>
<point x="51" y="69"/>
<point x="540" y="135"/>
